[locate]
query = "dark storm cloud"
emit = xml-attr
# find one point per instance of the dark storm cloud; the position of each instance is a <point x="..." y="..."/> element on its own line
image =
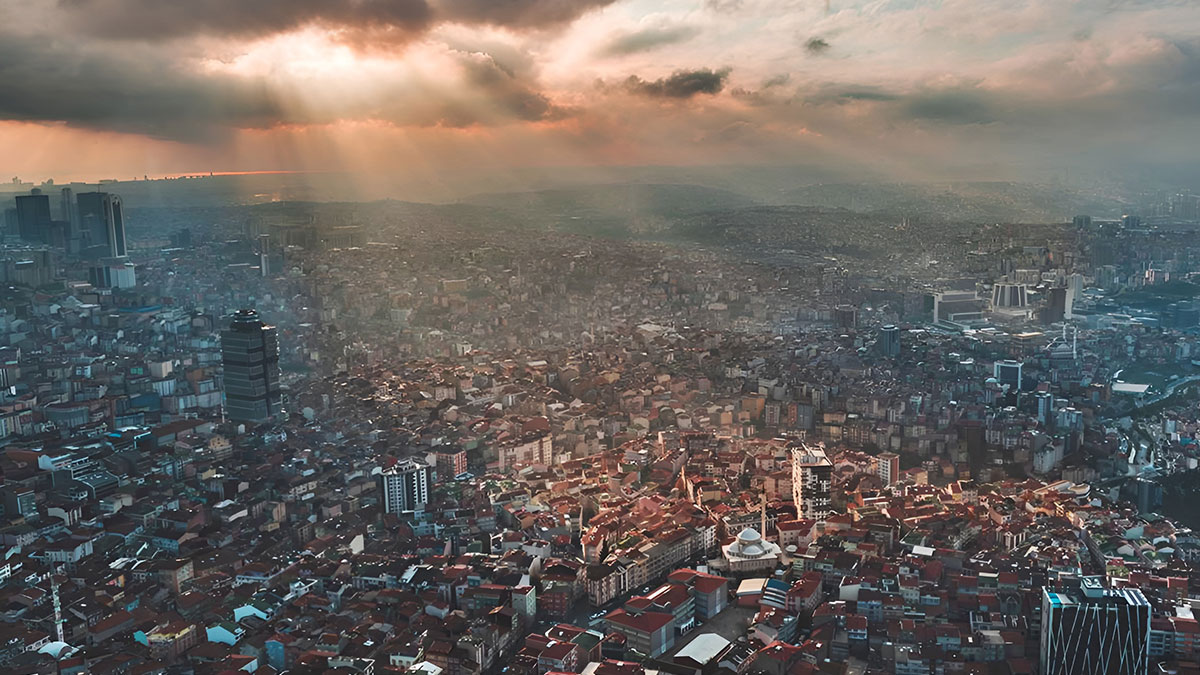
<point x="363" y="21"/>
<point x="42" y="81"/>
<point x="648" y="39"/>
<point x="130" y="91"/>
<point x="516" y="13"/>
<point x="153" y="20"/>
<point x="508" y="96"/>
<point x="816" y="46"/>
<point x="680" y="84"/>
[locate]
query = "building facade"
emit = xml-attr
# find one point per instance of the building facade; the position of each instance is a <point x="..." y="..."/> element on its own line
<point x="250" y="356"/>
<point x="101" y="224"/>
<point x="812" y="473"/>
<point x="1092" y="629"/>
<point x="405" y="487"/>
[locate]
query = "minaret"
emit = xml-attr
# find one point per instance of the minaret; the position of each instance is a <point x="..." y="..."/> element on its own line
<point x="58" y="620"/>
<point x="763" y="512"/>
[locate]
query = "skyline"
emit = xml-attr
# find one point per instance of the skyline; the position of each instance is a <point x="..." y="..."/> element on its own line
<point x="908" y="90"/>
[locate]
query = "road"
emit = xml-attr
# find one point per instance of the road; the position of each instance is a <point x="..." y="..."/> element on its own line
<point x="1169" y="391"/>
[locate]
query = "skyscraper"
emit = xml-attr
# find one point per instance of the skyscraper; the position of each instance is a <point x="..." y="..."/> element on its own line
<point x="1090" y="629"/>
<point x="250" y="355"/>
<point x="33" y="217"/>
<point x="101" y="225"/>
<point x="1056" y="305"/>
<point x="1045" y="403"/>
<point x="889" y="341"/>
<point x="812" y="473"/>
<point x="404" y="487"/>
<point x="69" y="208"/>
<point x="69" y="214"/>
<point x="264" y="254"/>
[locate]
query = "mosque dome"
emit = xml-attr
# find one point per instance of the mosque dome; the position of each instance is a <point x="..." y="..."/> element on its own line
<point x="750" y="543"/>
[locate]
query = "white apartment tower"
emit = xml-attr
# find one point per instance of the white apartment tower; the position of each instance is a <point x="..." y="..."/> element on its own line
<point x="812" y="473"/>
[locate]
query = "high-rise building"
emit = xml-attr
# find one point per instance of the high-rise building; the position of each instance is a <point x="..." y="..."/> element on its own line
<point x="264" y="254"/>
<point x="889" y="340"/>
<point x="1092" y="629"/>
<point x="1074" y="292"/>
<point x="404" y="487"/>
<point x="250" y="356"/>
<point x="101" y="225"/>
<point x="1008" y="372"/>
<point x="69" y="209"/>
<point x="812" y="475"/>
<point x="1056" y="304"/>
<point x="33" y="217"/>
<point x="1009" y="295"/>
<point x="845" y="317"/>
<point x="1045" y="403"/>
<point x="888" y="467"/>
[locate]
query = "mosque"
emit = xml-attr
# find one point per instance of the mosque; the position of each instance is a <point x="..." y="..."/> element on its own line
<point x="750" y="553"/>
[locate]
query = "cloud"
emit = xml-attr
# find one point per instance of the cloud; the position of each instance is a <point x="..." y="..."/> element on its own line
<point x="816" y="45"/>
<point x="132" y="90"/>
<point x="504" y="95"/>
<point x="123" y="91"/>
<point x="680" y="84"/>
<point x="953" y="106"/>
<point x="1016" y="78"/>
<point x="155" y="20"/>
<point x="769" y="93"/>
<point x="360" y="21"/>
<point x="516" y="14"/>
<point x="723" y="6"/>
<point x="776" y="81"/>
<point x="647" y="39"/>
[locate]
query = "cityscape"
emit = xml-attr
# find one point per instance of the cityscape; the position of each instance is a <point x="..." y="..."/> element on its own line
<point x="600" y="337"/>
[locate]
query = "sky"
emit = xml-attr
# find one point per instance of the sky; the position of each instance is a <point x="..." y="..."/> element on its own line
<point x="917" y="89"/>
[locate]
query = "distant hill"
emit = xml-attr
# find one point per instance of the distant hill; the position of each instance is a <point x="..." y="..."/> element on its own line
<point x="978" y="202"/>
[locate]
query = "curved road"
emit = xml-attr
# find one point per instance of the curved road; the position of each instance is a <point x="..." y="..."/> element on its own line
<point x="1170" y="390"/>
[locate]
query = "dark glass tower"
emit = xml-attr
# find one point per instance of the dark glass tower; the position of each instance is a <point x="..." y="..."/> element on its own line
<point x="1092" y="630"/>
<point x="889" y="341"/>
<point x="33" y="217"/>
<point x="250" y="356"/>
<point x="101" y="224"/>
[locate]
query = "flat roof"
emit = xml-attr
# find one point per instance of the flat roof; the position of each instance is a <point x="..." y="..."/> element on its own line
<point x="704" y="648"/>
<point x="750" y="586"/>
